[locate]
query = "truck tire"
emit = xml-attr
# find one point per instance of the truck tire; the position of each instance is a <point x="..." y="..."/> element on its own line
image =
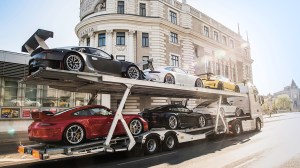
<point x="258" y="125"/>
<point x="170" y="142"/>
<point x="237" y="128"/>
<point x="151" y="145"/>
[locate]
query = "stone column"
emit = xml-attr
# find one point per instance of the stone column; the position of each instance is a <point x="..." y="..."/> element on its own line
<point x="92" y="39"/>
<point x="109" y="41"/>
<point x="130" y="46"/>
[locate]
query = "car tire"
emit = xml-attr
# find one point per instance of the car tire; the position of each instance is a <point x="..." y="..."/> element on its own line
<point x="151" y="145"/>
<point x="169" y="78"/>
<point x="220" y="86"/>
<point x="73" y="62"/>
<point x="237" y="89"/>
<point x="198" y="83"/>
<point x="74" y="134"/>
<point x="258" y="125"/>
<point x="172" y="122"/>
<point x="170" y="142"/>
<point x="133" y="72"/>
<point x="237" y="128"/>
<point x="201" y="121"/>
<point x="135" y="127"/>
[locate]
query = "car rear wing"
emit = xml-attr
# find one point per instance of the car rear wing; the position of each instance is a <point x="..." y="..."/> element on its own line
<point x="37" y="39"/>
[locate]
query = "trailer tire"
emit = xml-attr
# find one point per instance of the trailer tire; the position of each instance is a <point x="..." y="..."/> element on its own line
<point x="151" y="145"/>
<point x="237" y="128"/>
<point x="170" y="142"/>
<point x="258" y="125"/>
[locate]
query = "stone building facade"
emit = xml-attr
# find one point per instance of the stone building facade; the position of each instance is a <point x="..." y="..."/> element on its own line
<point x="294" y="93"/>
<point x="169" y="32"/>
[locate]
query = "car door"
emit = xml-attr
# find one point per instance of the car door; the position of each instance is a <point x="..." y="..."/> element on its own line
<point x="103" y="62"/>
<point x="100" y="121"/>
<point x="181" y="76"/>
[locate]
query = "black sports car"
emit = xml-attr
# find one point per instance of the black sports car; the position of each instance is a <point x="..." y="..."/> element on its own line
<point x="174" y="117"/>
<point x="77" y="58"/>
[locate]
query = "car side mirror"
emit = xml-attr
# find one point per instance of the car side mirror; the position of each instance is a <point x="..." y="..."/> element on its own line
<point x="111" y="57"/>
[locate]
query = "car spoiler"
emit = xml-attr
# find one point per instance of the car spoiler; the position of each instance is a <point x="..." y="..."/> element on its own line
<point x="37" y="39"/>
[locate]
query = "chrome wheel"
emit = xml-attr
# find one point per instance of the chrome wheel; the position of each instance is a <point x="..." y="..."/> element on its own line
<point x="173" y="122"/>
<point x="202" y="122"/>
<point x="74" y="63"/>
<point x="198" y="83"/>
<point x="169" y="79"/>
<point x="74" y="134"/>
<point x="133" y="72"/>
<point x="135" y="127"/>
<point x="151" y="145"/>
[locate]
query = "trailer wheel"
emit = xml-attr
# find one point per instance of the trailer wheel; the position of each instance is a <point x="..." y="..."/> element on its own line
<point x="237" y="128"/>
<point x="170" y="142"/>
<point x="74" y="134"/>
<point x="151" y="145"/>
<point x="172" y="122"/>
<point x="258" y="125"/>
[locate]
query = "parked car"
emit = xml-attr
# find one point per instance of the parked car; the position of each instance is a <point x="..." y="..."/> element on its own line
<point x="25" y="102"/>
<point x="174" y="117"/>
<point x="211" y="107"/>
<point x="87" y="59"/>
<point x="172" y="75"/>
<point x="218" y="82"/>
<point x="75" y="125"/>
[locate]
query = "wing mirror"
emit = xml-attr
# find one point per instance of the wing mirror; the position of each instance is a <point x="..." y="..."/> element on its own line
<point x="111" y="57"/>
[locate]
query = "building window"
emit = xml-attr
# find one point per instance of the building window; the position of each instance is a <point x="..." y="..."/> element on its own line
<point x="233" y="74"/>
<point x="144" y="59"/>
<point x="30" y="96"/>
<point x="224" y="40"/>
<point x="218" y="70"/>
<point x="206" y="31"/>
<point x="88" y="41"/>
<point x="173" y="17"/>
<point x="142" y="9"/>
<point x="231" y="44"/>
<point x="101" y="39"/>
<point x="11" y="92"/>
<point x="175" y="60"/>
<point x="120" y="38"/>
<point x="216" y="36"/>
<point x="120" y="9"/>
<point x="174" y="38"/>
<point x="145" y="39"/>
<point x="226" y="71"/>
<point x="120" y="57"/>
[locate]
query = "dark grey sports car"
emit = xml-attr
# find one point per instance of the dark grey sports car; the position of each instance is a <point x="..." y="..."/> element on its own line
<point x="77" y="58"/>
<point x="174" y="117"/>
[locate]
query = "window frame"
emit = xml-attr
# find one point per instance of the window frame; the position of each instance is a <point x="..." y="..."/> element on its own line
<point x="120" y="39"/>
<point x="175" y="60"/>
<point x="121" y="7"/>
<point x="206" y="31"/>
<point x="145" y="39"/>
<point x="143" y="11"/>
<point x="88" y="41"/>
<point x="174" y="37"/>
<point x="101" y="39"/>
<point x="173" y="17"/>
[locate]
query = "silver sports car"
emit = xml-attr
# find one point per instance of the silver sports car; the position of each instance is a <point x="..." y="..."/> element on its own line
<point x="172" y="75"/>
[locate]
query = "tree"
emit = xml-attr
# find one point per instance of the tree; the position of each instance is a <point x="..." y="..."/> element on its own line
<point x="283" y="102"/>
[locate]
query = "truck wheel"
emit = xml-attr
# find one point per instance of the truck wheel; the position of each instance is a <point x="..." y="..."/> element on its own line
<point x="258" y="125"/>
<point x="73" y="62"/>
<point x="74" y="134"/>
<point x="237" y="128"/>
<point x="172" y="122"/>
<point x="170" y="142"/>
<point x="151" y="145"/>
<point x="202" y="121"/>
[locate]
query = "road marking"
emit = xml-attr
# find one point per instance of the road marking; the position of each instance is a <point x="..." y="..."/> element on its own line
<point x="245" y="163"/>
<point x="146" y="158"/>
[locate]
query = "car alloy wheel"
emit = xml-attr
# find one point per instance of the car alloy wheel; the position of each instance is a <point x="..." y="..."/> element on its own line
<point x="202" y="122"/>
<point x="220" y="86"/>
<point x="237" y="89"/>
<point x="198" y="83"/>
<point x="74" y="134"/>
<point x="133" y="72"/>
<point x="172" y="122"/>
<point x="169" y="79"/>
<point x="135" y="127"/>
<point x="74" y="62"/>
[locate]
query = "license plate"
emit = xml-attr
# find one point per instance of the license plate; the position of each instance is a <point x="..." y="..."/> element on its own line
<point x="21" y="149"/>
<point x="36" y="154"/>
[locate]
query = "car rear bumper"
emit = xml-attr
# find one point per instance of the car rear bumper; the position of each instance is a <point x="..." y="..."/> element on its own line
<point x="45" y="134"/>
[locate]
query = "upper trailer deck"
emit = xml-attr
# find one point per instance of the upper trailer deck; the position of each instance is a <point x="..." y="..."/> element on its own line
<point x="99" y="83"/>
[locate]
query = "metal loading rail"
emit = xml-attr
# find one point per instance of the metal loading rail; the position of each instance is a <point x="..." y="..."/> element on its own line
<point x="98" y="83"/>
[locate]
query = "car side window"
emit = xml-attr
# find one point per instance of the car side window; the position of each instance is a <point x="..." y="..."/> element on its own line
<point x="79" y="49"/>
<point x="85" y="112"/>
<point x="100" y="112"/>
<point x="169" y="68"/>
<point x="99" y="53"/>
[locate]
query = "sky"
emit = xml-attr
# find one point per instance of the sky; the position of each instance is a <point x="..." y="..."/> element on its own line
<point x="272" y="26"/>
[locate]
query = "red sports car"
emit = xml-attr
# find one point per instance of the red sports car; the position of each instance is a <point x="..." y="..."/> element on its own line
<point x="75" y="125"/>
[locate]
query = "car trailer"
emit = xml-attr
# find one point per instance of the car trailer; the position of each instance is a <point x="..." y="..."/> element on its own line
<point x="150" y="141"/>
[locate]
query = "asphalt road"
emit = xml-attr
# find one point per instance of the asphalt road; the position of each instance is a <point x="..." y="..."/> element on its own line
<point x="278" y="145"/>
